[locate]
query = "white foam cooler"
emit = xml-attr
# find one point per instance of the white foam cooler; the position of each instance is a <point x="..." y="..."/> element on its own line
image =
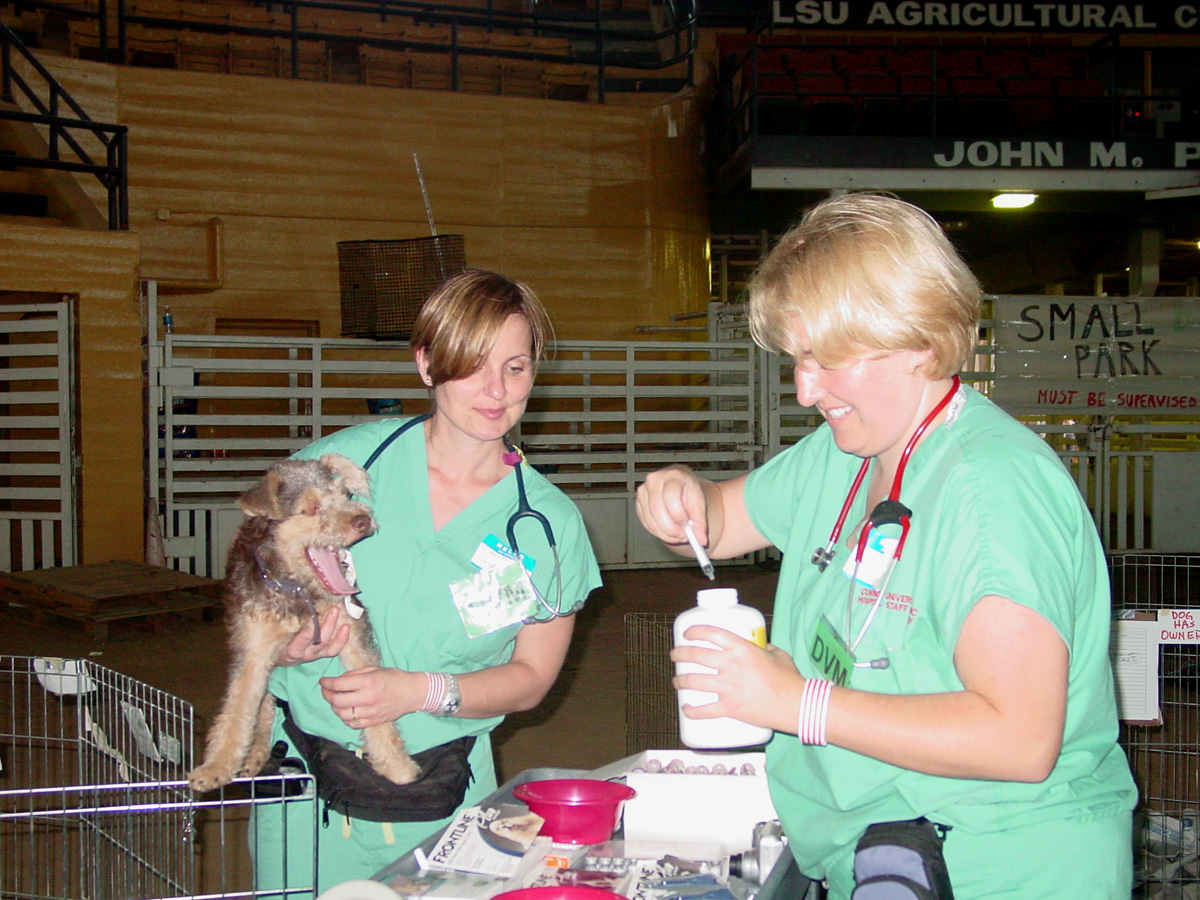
<point x="701" y="808"/>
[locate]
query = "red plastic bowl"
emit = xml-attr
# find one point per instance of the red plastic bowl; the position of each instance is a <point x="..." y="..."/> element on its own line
<point x="559" y="892"/>
<point x="576" y="810"/>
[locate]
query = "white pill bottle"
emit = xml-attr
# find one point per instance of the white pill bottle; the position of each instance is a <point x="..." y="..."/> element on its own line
<point x="720" y="607"/>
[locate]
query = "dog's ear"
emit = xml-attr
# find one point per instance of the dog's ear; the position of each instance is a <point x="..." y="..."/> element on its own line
<point x="354" y="476"/>
<point x="263" y="498"/>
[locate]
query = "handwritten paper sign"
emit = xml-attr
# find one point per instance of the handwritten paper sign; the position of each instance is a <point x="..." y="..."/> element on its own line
<point x="1097" y="355"/>
<point x="1134" y="654"/>
<point x="1136" y="637"/>
<point x="1179" y="626"/>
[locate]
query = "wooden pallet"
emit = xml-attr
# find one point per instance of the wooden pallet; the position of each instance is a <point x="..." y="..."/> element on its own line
<point x="99" y="593"/>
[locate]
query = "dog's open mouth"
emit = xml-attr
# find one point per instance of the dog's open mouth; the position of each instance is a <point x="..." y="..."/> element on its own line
<point x="330" y="566"/>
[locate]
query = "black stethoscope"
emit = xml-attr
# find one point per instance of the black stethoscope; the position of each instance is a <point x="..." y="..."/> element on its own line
<point x="514" y="458"/>
<point x="889" y="511"/>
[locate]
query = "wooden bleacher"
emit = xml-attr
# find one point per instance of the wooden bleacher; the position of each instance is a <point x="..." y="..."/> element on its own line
<point x="246" y="38"/>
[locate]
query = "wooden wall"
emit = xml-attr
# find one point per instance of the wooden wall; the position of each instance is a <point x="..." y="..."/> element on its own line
<point x="601" y="208"/>
<point x="100" y="268"/>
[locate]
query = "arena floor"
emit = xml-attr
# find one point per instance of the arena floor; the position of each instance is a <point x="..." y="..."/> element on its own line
<point x="581" y="724"/>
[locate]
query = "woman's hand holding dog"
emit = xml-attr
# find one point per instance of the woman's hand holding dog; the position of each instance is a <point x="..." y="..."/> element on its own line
<point x="301" y="649"/>
<point x="374" y="695"/>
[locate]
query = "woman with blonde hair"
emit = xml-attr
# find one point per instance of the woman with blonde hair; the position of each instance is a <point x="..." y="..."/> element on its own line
<point x="938" y="677"/>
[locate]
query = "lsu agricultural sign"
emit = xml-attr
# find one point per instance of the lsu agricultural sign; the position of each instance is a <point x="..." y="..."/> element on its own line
<point x="1098" y="356"/>
<point x="1031" y="16"/>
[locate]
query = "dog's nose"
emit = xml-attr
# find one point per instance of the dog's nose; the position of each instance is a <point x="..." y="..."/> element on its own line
<point x="361" y="524"/>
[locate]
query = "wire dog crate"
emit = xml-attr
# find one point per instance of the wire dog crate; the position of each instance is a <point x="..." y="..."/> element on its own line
<point x="651" y="710"/>
<point x="93" y="801"/>
<point x="1165" y="758"/>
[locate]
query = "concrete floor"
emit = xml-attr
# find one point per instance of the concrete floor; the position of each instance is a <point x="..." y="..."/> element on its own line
<point x="580" y="725"/>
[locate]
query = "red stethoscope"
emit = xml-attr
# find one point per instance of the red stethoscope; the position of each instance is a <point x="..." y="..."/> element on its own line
<point x="889" y="511"/>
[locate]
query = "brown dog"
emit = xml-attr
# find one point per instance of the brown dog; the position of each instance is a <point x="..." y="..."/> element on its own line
<point x="284" y="569"/>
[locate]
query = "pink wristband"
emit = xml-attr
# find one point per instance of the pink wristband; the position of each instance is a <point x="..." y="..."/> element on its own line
<point x="814" y="711"/>
<point x="437" y="690"/>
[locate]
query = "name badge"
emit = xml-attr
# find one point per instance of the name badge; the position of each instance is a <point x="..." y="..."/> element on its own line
<point x="877" y="558"/>
<point x="500" y="594"/>
<point x="494" y="598"/>
<point x="492" y="553"/>
<point x="830" y="655"/>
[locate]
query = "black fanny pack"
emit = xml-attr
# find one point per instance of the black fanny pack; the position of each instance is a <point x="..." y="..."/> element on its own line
<point x="349" y="786"/>
<point x="901" y="861"/>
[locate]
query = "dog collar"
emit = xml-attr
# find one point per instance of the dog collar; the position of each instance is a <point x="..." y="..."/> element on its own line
<point x="290" y="588"/>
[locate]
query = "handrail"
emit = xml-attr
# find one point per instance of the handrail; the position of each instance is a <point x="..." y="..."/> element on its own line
<point x="680" y="15"/>
<point x="112" y="174"/>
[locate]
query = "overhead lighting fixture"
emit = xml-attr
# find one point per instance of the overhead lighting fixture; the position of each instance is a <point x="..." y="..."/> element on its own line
<point x="1013" y="200"/>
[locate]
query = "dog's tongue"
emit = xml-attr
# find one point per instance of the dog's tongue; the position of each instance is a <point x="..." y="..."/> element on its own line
<point x="328" y="568"/>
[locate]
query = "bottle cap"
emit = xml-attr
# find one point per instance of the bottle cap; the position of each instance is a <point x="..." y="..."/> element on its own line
<point x="712" y="597"/>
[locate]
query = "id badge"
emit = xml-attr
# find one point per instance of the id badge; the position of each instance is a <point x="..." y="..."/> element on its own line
<point x="500" y="594"/>
<point x="877" y="559"/>
<point x="493" y="552"/>
<point x="829" y="654"/>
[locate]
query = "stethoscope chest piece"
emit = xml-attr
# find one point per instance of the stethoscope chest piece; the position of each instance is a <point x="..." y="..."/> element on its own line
<point x="822" y="557"/>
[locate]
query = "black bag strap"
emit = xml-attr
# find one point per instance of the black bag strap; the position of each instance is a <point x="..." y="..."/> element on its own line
<point x="298" y="738"/>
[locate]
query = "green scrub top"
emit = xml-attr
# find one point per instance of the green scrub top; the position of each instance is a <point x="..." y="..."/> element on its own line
<point x="993" y="512"/>
<point x="404" y="571"/>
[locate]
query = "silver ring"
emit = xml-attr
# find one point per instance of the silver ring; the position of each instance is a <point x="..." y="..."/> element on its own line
<point x="354" y="717"/>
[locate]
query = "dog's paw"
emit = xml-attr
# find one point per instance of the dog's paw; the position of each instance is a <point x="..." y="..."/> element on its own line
<point x="253" y="764"/>
<point x="208" y="778"/>
<point x="398" y="770"/>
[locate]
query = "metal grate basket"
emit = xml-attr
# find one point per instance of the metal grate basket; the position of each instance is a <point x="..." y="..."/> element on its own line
<point x="385" y="283"/>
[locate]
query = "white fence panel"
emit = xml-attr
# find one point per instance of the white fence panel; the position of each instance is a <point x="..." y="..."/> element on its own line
<point x="37" y="436"/>
<point x="603" y="414"/>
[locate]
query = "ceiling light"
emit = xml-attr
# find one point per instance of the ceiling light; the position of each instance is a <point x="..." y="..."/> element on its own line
<point x="1013" y="200"/>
